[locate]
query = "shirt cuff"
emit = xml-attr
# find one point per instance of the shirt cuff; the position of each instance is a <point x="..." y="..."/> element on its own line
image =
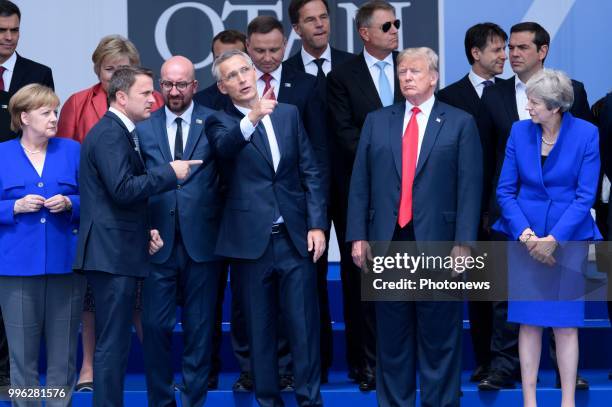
<point x="247" y="128"/>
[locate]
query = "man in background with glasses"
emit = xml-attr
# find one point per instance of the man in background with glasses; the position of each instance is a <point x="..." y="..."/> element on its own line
<point x="187" y="218"/>
<point x="357" y="87"/>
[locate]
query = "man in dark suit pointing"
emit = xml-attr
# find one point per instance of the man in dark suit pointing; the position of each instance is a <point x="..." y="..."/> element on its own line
<point x="115" y="238"/>
<point x="273" y="217"/>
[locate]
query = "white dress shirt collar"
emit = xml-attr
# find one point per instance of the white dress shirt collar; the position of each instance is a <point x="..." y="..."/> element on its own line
<point x="425" y="107"/>
<point x="9" y="64"/>
<point x="309" y="61"/>
<point x="126" y="121"/>
<point x="371" y="61"/>
<point x="171" y="116"/>
<point x="478" y="81"/>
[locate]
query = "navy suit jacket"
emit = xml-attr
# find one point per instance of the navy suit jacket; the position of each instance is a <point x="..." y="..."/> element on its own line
<point x="253" y="185"/>
<point x="38" y="243"/>
<point x="495" y="118"/>
<point x="555" y="198"/>
<point x="197" y="201"/>
<point x="337" y="57"/>
<point x="26" y="72"/>
<point x="447" y="185"/>
<point x="115" y="186"/>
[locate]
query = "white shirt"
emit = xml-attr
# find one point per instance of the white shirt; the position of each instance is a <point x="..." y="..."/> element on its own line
<point x="171" y="126"/>
<point x="309" y="61"/>
<point x="521" y="98"/>
<point x="375" y="72"/>
<point x="421" y="119"/>
<point x="126" y="121"/>
<point x="247" y="129"/>
<point x="478" y="82"/>
<point x="9" y="64"/>
<point x="275" y="82"/>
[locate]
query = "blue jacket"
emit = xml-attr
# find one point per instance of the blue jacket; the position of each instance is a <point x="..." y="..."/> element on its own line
<point x="555" y="199"/>
<point x="40" y="242"/>
<point x="197" y="201"/>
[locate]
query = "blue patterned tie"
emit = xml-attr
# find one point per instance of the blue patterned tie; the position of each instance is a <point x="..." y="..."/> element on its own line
<point x="384" y="88"/>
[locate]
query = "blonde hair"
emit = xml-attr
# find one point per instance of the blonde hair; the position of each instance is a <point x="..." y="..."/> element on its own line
<point x="114" y="46"/>
<point x="28" y="98"/>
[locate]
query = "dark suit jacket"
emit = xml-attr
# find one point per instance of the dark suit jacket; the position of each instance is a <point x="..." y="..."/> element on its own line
<point x="495" y="118"/>
<point x="462" y="95"/>
<point x="26" y="72"/>
<point x="114" y="187"/>
<point x="197" y="202"/>
<point x="253" y="185"/>
<point x="351" y="95"/>
<point x="446" y="189"/>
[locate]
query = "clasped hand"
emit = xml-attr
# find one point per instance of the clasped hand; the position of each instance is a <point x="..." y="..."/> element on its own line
<point x="33" y="203"/>
<point x="542" y="249"/>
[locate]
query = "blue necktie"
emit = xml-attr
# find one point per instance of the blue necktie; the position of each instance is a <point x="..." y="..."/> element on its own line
<point x="487" y="83"/>
<point x="384" y="88"/>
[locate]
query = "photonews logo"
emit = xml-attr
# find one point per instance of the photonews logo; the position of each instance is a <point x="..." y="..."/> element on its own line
<point x="164" y="28"/>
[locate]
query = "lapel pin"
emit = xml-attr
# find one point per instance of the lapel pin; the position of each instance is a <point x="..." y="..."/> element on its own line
<point x="438" y="119"/>
<point x="5" y="106"/>
<point x="287" y="84"/>
<point x="198" y="121"/>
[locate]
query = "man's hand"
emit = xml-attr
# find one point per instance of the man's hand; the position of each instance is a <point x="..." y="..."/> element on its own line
<point x="361" y="251"/>
<point x="543" y="249"/>
<point x="58" y="203"/>
<point x="263" y="107"/>
<point x="29" y="203"/>
<point x="459" y="251"/>
<point x="156" y="242"/>
<point x="316" y="242"/>
<point x="183" y="168"/>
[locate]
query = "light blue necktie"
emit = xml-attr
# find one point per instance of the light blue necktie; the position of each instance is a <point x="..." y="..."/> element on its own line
<point x="384" y="88"/>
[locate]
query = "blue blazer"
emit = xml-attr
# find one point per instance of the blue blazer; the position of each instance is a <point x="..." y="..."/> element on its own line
<point x="40" y="242"/>
<point x="197" y="201"/>
<point x="447" y="185"/>
<point x="555" y="199"/>
<point x="253" y="185"/>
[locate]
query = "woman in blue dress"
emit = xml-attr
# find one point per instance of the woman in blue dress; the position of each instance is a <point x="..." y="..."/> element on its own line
<point x="546" y="189"/>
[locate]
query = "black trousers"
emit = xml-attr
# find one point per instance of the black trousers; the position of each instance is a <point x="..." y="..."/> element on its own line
<point x="281" y="282"/>
<point x="4" y="353"/>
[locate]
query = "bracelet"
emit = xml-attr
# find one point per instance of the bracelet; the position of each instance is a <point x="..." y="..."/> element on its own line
<point x="525" y="237"/>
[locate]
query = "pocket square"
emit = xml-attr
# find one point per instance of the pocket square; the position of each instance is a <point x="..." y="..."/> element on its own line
<point x="198" y="121"/>
<point x="287" y="84"/>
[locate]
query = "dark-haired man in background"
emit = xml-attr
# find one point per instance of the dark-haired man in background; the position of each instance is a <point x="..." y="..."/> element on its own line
<point x="485" y="49"/>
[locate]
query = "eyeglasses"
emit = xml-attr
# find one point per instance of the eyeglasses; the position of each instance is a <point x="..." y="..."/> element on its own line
<point x="232" y="76"/>
<point x="180" y="86"/>
<point x="387" y="26"/>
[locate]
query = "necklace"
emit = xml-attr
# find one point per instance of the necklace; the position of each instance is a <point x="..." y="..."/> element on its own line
<point x="30" y="151"/>
<point x="548" y="143"/>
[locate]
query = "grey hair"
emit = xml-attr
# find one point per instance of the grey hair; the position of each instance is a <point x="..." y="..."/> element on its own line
<point x="553" y="87"/>
<point x="216" y="72"/>
<point x="424" y="52"/>
<point x="363" y="16"/>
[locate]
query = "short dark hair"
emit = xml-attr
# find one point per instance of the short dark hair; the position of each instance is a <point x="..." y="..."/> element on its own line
<point x="365" y="12"/>
<point x="541" y="36"/>
<point x="296" y="5"/>
<point x="124" y="78"/>
<point x="229" y="37"/>
<point x="478" y="35"/>
<point x="8" y="8"/>
<point x="264" y="25"/>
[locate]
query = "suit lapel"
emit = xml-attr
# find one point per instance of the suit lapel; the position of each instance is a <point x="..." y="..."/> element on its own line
<point x="195" y="132"/>
<point x="470" y="93"/>
<point x="99" y="101"/>
<point x="285" y="85"/>
<point x="396" y="134"/>
<point x="509" y="92"/>
<point x="161" y="133"/>
<point x="397" y="93"/>
<point x="434" y="124"/>
<point x="259" y="139"/>
<point x="365" y="82"/>
<point x="18" y="76"/>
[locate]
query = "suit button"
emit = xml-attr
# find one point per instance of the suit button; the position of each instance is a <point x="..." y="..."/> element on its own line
<point x="172" y="212"/>
<point x="40" y="185"/>
<point x="179" y="186"/>
<point x="43" y="220"/>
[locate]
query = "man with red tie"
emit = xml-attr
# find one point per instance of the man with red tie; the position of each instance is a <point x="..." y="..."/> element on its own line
<point x="417" y="177"/>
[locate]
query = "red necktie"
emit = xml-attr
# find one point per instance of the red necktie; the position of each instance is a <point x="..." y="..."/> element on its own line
<point x="2" y="69"/>
<point x="267" y="78"/>
<point x="410" y="145"/>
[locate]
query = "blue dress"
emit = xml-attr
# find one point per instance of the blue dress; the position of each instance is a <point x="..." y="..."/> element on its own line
<point x="551" y="198"/>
